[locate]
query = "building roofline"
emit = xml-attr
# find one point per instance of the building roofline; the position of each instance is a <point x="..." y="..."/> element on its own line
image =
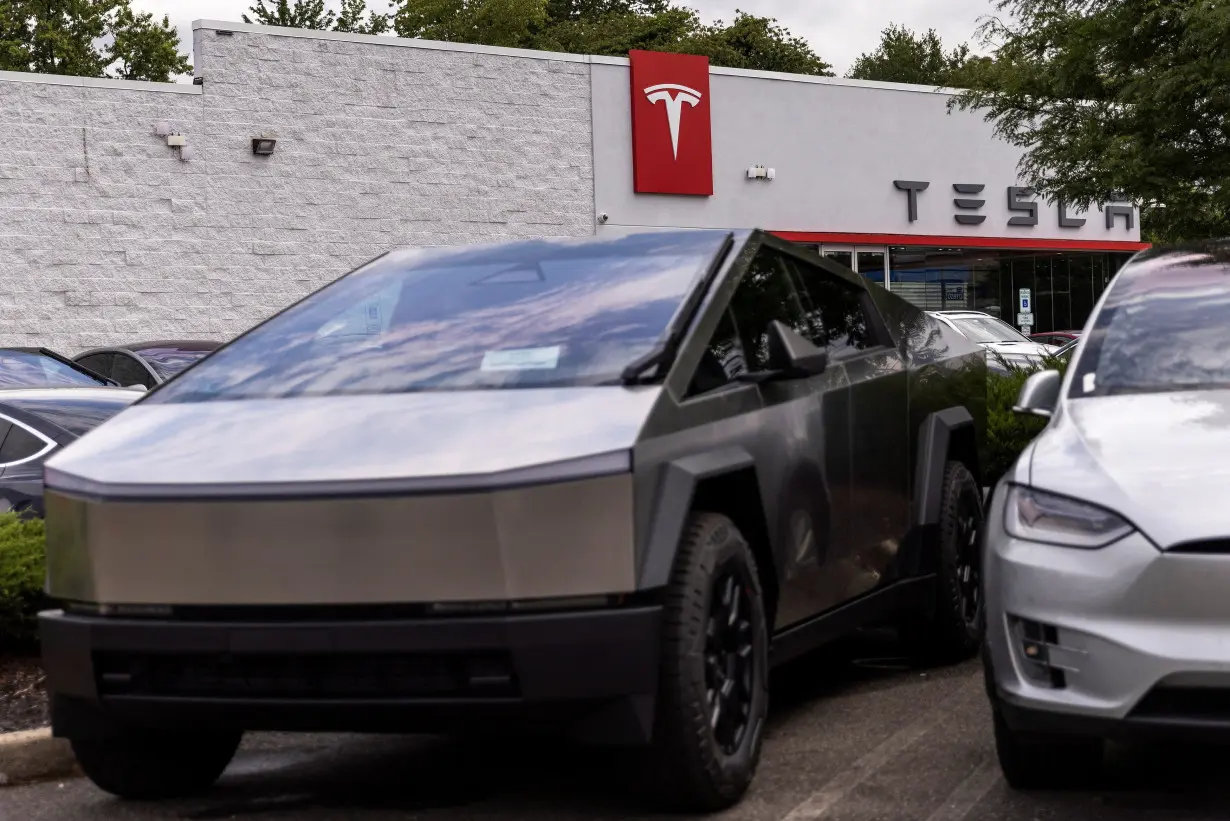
<point x="531" y="54"/>
<point x="97" y="82"/>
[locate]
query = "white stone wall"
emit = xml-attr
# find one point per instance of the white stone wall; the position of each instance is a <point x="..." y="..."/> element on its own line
<point x="107" y="236"/>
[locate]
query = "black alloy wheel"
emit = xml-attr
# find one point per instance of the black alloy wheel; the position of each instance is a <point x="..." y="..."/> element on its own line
<point x="730" y="659"/>
<point x="969" y="573"/>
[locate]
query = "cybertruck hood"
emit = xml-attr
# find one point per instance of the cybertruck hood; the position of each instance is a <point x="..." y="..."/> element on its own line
<point x="355" y="444"/>
<point x="1157" y="459"/>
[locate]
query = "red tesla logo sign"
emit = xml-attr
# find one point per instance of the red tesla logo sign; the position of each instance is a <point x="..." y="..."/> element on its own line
<point x="672" y="139"/>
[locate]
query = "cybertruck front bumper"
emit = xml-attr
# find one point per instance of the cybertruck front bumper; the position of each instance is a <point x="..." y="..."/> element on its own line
<point x="588" y="673"/>
<point x="1124" y="640"/>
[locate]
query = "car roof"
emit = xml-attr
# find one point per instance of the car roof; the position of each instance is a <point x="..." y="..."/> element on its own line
<point x="137" y="347"/>
<point x="963" y="313"/>
<point x="182" y="344"/>
<point x="1202" y="265"/>
<point x="68" y="394"/>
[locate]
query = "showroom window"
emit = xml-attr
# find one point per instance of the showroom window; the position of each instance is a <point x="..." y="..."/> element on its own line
<point x="1064" y="285"/>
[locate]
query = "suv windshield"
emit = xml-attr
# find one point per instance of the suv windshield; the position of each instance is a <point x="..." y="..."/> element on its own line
<point x="530" y="314"/>
<point x="988" y="329"/>
<point x="1159" y="333"/>
<point x="28" y="369"/>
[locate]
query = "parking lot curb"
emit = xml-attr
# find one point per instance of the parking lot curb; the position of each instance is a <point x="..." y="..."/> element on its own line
<point x="34" y="755"/>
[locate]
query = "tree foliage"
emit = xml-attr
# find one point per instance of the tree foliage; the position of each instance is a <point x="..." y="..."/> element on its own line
<point x="1117" y="99"/>
<point x="353" y="16"/>
<point x="905" y="57"/>
<point x="88" y="38"/>
<point x="609" y="27"/>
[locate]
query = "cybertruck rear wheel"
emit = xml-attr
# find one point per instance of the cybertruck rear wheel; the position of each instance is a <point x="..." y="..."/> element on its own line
<point x="155" y="764"/>
<point x="950" y="629"/>
<point x="713" y="695"/>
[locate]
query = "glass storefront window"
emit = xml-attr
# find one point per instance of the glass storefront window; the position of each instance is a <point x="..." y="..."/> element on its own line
<point x="1064" y="285"/>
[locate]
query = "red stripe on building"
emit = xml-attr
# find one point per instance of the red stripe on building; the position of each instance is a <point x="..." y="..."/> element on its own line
<point x="1023" y="243"/>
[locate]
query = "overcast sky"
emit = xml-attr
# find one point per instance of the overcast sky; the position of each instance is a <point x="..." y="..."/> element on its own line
<point x="839" y="30"/>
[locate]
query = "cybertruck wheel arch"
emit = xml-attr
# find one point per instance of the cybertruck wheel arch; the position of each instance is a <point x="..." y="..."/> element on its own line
<point x="938" y="433"/>
<point x="676" y="490"/>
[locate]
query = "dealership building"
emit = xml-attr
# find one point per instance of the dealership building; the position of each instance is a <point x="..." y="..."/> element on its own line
<point x="143" y="210"/>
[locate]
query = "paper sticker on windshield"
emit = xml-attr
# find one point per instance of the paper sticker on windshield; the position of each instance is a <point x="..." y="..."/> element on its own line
<point x="523" y="359"/>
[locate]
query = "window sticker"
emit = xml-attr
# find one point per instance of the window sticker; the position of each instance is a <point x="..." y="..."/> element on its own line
<point x="522" y="359"/>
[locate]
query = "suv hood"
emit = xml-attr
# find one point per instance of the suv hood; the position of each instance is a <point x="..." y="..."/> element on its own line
<point x="1156" y="459"/>
<point x="402" y="442"/>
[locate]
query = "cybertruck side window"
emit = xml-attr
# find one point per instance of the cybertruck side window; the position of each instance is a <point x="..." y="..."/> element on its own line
<point x="837" y="317"/>
<point x="765" y="294"/>
<point x="722" y="361"/>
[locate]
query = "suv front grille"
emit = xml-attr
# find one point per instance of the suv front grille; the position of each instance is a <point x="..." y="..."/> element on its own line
<point x="301" y="676"/>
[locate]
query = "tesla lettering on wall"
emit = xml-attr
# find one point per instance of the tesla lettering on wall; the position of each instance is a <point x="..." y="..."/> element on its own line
<point x="672" y="138"/>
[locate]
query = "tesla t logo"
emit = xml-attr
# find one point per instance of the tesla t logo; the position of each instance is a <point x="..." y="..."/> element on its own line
<point x="674" y="96"/>
<point x="672" y="141"/>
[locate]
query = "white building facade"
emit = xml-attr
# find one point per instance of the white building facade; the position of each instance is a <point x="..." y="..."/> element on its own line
<point x="112" y="231"/>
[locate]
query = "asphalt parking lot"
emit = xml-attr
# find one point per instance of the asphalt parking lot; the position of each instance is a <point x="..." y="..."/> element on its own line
<point x="855" y="736"/>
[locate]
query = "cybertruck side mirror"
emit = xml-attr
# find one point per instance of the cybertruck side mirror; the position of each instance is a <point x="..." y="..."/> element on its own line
<point x="1039" y="395"/>
<point x="790" y="356"/>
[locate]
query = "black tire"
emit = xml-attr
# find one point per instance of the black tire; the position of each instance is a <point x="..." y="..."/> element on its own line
<point x="700" y="765"/>
<point x="145" y="765"/>
<point x="950" y="628"/>
<point x="1038" y="761"/>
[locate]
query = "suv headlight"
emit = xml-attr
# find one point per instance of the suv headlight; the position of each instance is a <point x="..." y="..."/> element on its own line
<point x="1038" y="516"/>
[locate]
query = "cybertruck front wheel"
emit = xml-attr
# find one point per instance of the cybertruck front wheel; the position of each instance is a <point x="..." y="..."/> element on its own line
<point x="713" y="691"/>
<point x="155" y="764"/>
<point x="950" y="628"/>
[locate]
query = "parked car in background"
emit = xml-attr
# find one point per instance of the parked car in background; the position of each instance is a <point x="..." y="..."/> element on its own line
<point x="1055" y="339"/>
<point x="44" y="368"/>
<point x="35" y="423"/>
<point x="146" y="363"/>
<point x="1107" y="546"/>
<point x="592" y="486"/>
<point x="1005" y="345"/>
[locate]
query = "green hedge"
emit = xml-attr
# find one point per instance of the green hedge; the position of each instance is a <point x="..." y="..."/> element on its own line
<point x="21" y="579"/>
<point x="1008" y="433"/>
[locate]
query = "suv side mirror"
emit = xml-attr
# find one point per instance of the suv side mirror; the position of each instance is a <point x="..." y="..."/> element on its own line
<point x="1039" y="395"/>
<point x="790" y="356"/>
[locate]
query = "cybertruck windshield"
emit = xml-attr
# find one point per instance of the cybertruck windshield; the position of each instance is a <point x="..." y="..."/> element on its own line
<point x="543" y="313"/>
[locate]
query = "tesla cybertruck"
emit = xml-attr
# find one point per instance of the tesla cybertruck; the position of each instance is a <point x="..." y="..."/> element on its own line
<point x="596" y="487"/>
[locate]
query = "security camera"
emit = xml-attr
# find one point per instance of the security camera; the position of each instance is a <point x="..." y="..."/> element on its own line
<point x="603" y="217"/>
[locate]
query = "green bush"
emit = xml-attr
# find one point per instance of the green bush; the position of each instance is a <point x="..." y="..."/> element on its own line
<point x="22" y="572"/>
<point x="1009" y="433"/>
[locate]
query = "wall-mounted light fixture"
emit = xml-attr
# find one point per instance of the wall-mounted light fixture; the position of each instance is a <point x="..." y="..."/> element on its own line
<point x="263" y="145"/>
<point x="177" y="140"/>
<point x="759" y="172"/>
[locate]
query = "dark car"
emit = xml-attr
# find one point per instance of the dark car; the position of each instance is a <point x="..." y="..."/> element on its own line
<point x="35" y="423"/>
<point x="44" y="368"/>
<point x="1055" y="339"/>
<point x="593" y="486"/>
<point x="146" y="363"/>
